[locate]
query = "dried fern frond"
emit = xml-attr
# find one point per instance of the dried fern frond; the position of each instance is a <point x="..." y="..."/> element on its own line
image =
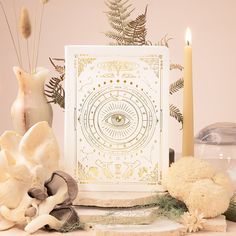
<point x="176" y="66"/>
<point x="55" y="91"/>
<point x="176" y="86"/>
<point x="44" y="1"/>
<point x="164" y="41"/>
<point x="127" y="32"/>
<point x="58" y="68"/>
<point x="118" y="17"/>
<point x="25" y="24"/>
<point x="116" y="36"/>
<point x="175" y="113"/>
<point x="135" y="32"/>
<point x="116" y="27"/>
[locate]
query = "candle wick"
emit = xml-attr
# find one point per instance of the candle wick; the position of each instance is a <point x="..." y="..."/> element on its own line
<point x="188" y="42"/>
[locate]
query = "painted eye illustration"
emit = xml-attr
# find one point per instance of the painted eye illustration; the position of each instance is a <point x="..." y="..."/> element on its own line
<point x="118" y="120"/>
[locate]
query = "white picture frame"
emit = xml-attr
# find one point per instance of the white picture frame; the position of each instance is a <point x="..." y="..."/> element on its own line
<point x="116" y="116"/>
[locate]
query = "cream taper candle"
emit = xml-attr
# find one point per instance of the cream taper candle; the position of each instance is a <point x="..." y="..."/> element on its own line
<point x="188" y="121"/>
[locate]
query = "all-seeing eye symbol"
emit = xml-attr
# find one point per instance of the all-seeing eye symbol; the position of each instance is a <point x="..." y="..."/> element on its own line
<point x="118" y="123"/>
<point x="117" y="120"/>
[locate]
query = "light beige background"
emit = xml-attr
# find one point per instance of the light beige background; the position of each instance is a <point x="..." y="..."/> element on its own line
<point x="213" y="25"/>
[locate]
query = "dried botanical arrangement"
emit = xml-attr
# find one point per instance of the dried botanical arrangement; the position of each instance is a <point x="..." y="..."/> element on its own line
<point x="30" y="105"/>
<point x="29" y="37"/>
<point x="126" y="31"/>
<point x="54" y="89"/>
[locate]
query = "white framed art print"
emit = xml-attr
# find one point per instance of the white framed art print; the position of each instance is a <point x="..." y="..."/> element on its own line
<point x="116" y="117"/>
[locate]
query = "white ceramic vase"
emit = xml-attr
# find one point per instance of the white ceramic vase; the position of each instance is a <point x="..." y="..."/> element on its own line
<point x="31" y="105"/>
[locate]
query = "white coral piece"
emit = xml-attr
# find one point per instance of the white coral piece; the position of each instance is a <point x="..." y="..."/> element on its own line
<point x="193" y="221"/>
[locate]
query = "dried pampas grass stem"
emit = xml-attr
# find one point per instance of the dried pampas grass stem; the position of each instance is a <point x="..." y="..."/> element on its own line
<point x="25" y="24"/>
<point x="40" y="29"/>
<point x="34" y="39"/>
<point x="9" y="29"/>
<point x="25" y="29"/>
<point x="17" y="33"/>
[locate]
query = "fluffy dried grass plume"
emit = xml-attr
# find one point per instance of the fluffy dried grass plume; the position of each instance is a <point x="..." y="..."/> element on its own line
<point x="44" y="1"/>
<point x="25" y="24"/>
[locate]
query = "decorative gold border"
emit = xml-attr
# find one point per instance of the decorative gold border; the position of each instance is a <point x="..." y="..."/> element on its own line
<point x="155" y="63"/>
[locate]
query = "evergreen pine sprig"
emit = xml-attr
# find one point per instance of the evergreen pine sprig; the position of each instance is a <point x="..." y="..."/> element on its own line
<point x="176" y="86"/>
<point x="70" y="228"/>
<point x="167" y="206"/>
<point x="170" y="207"/>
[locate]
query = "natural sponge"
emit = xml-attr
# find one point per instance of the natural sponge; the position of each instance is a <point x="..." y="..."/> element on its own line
<point x="208" y="198"/>
<point x="183" y="173"/>
<point x="199" y="186"/>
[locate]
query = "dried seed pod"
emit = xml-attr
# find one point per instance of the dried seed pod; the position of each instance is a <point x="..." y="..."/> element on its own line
<point x="37" y="193"/>
<point x="25" y="24"/>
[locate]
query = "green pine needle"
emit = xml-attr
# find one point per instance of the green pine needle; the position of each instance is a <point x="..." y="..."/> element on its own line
<point x="170" y="207"/>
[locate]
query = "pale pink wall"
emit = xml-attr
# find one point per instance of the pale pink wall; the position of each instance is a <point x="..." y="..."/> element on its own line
<point x="213" y="24"/>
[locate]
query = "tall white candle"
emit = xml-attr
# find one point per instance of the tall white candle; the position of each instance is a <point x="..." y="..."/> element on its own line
<point x="188" y="121"/>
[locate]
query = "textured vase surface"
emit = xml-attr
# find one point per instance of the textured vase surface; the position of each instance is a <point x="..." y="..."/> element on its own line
<point x="30" y="105"/>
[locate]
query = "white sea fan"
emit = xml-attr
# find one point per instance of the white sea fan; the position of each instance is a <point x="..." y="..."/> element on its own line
<point x="193" y="221"/>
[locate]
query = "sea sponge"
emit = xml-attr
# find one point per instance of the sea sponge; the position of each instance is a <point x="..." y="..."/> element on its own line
<point x="191" y="169"/>
<point x="207" y="197"/>
<point x="183" y="173"/>
<point x="196" y="183"/>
